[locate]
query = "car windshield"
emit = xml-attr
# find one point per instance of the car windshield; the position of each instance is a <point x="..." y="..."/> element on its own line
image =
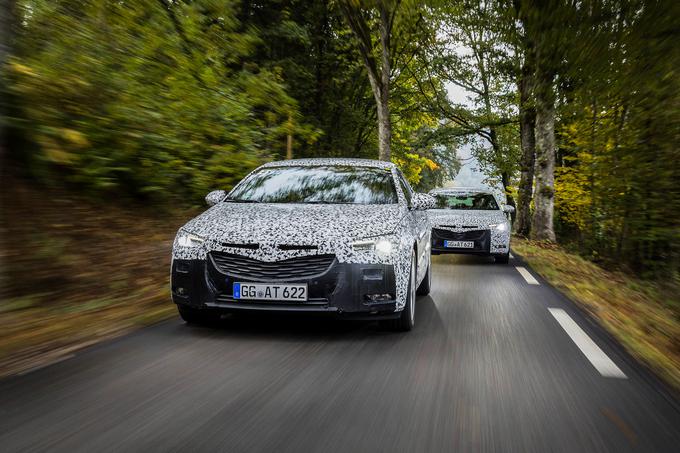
<point x="472" y="201"/>
<point x="319" y="184"/>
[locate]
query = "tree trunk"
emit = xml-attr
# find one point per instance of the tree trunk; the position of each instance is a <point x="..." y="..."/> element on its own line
<point x="505" y="176"/>
<point x="544" y="198"/>
<point x="527" y="123"/>
<point x="384" y="129"/>
<point x="384" y="121"/>
<point x="378" y="71"/>
<point x="289" y="138"/>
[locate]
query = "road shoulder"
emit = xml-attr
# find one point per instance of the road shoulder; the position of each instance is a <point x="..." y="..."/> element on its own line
<point x="627" y="315"/>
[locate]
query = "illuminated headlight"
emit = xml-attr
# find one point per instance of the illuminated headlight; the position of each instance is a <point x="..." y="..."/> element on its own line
<point x="186" y="239"/>
<point x="499" y="226"/>
<point x="382" y="246"/>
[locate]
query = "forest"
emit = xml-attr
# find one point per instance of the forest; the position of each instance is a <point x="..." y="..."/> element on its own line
<point x="572" y="107"/>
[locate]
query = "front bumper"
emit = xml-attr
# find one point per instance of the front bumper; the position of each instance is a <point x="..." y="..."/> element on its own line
<point x="484" y="243"/>
<point x="339" y="289"/>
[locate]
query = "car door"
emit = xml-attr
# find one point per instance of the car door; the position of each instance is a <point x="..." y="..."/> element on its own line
<point x="421" y="225"/>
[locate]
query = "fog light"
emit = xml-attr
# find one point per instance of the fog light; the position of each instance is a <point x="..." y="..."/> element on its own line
<point x="374" y="298"/>
<point x="180" y="291"/>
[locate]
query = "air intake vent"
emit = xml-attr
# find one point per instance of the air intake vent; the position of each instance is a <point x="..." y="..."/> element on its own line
<point x="241" y="246"/>
<point x="473" y="235"/>
<point x="298" y="247"/>
<point x="290" y="269"/>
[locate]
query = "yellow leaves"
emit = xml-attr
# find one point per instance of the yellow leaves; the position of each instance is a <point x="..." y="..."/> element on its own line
<point x="572" y="197"/>
<point x="55" y="153"/>
<point x="432" y="165"/>
<point x="21" y="69"/>
<point x="412" y="165"/>
<point x="59" y="147"/>
<point x="75" y="138"/>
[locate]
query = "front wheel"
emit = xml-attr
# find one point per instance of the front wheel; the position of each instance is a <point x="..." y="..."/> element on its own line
<point x="406" y="320"/>
<point x="502" y="259"/>
<point x="426" y="284"/>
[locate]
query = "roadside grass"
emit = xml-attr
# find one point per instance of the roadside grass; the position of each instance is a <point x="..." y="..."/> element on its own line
<point x="643" y="315"/>
<point x="74" y="271"/>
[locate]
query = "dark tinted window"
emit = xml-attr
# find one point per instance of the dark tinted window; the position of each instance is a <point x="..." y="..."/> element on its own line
<point x="476" y="201"/>
<point x="323" y="184"/>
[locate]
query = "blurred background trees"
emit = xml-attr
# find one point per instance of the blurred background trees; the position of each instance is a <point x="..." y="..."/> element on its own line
<point x="617" y="193"/>
<point x="163" y="96"/>
<point x="572" y="108"/>
<point x="587" y="98"/>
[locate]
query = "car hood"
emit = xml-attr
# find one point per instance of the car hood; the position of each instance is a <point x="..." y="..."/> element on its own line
<point x="464" y="218"/>
<point x="294" y="224"/>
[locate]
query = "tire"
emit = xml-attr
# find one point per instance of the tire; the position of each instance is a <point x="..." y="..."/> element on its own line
<point x="406" y="320"/>
<point x="502" y="259"/>
<point x="193" y="315"/>
<point x="426" y="284"/>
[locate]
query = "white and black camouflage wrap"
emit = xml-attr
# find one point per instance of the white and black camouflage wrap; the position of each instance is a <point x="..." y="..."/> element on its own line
<point x="461" y="220"/>
<point x="327" y="228"/>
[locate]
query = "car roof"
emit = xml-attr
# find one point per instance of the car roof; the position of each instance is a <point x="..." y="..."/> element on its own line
<point x="331" y="161"/>
<point x="460" y="190"/>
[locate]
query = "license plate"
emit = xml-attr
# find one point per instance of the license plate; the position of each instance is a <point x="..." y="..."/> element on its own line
<point x="270" y="291"/>
<point x="459" y="244"/>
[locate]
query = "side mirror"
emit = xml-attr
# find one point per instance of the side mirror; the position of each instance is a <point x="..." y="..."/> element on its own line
<point x="423" y="201"/>
<point x="215" y="197"/>
<point x="508" y="209"/>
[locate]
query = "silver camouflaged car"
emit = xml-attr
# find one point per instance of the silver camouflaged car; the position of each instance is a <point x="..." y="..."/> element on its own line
<point x="471" y="221"/>
<point x="341" y="236"/>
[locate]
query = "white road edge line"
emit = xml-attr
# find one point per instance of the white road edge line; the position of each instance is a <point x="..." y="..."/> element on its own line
<point x="512" y="257"/>
<point x="593" y="353"/>
<point x="527" y="275"/>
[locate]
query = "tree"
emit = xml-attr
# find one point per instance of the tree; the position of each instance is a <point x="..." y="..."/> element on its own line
<point x="377" y="62"/>
<point x="524" y="49"/>
<point x="146" y="97"/>
<point x="616" y="191"/>
<point x="473" y="53"/>
<point x="545" y="25"/>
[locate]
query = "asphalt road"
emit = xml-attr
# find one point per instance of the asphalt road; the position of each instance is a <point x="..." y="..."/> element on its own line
<point x="487" y="368"/>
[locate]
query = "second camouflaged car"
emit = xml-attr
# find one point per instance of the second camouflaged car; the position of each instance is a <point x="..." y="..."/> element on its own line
<point x="471" y="221"/>
<point x="342" y="236"/>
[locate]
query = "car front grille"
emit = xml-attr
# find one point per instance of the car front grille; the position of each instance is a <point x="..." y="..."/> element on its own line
<point x="472" y="235"/>
<point x="481" y="239"/>
<point x="290" y="269"/>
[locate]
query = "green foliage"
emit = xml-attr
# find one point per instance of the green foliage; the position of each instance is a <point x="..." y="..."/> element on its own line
<point x="146" y="97"/>
<point x="617" y="184"/>
<point x="156" y="98"/>
<point x="472" y="53"/>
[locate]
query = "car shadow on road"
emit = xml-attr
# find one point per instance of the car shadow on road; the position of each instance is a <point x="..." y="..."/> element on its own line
<point x="462" y="260"/>
<point x="302" y="327"/>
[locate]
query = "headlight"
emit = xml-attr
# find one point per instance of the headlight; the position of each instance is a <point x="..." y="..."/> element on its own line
<point x="499" y="226"/>
<point x="186" y="239"/>
<point x="382" y="246"/>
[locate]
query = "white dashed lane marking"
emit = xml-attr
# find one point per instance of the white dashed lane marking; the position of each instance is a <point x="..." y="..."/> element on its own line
<point x="527" y="275"/>
<point x="593" y="353"/>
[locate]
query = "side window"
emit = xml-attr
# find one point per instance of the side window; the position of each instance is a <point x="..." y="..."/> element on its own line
<point x="405" y="187"/>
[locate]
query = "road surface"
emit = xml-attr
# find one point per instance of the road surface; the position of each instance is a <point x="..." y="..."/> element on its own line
<point x="498" y="361"/>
